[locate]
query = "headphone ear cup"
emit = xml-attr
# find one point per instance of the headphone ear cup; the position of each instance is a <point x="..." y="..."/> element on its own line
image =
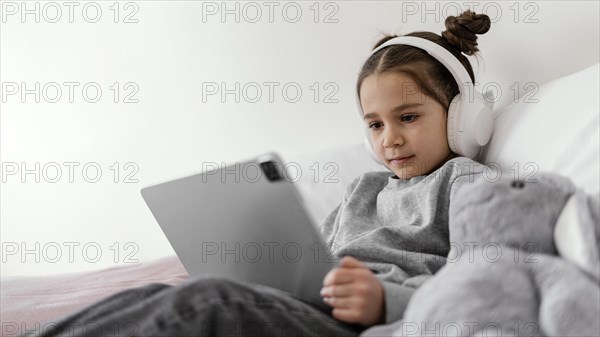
<point x="470" y="125"/>
<point x="451" y="129"/>
<point x="482" y="121"/>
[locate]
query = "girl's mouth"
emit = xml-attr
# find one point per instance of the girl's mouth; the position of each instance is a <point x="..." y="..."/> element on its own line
<point x="400" y="160"/>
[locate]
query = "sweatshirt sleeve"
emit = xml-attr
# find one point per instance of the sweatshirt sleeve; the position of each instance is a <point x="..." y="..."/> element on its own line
<point x="397" y="296"/>
<point x="331" y="222"/>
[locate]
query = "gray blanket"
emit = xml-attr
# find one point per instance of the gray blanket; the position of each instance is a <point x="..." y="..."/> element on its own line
<point x="524" y="262"/>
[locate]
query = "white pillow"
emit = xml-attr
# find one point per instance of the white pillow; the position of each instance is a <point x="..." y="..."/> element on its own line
<point x="560" y="133"/>
<point x="323" y="176"/>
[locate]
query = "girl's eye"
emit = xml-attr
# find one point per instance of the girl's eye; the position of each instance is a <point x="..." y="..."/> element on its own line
<point x="408" y="118"/>
<point x="372" y="124"/>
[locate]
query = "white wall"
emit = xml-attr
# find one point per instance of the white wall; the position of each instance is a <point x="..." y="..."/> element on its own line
<point x="528" y="44"/>
<point x="168" y="55"/>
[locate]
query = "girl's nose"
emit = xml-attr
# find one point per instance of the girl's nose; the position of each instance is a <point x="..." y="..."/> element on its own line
<point x="392" y="138"/>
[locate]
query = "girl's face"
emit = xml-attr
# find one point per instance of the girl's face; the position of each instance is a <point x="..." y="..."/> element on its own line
<point x="404" y="123"/>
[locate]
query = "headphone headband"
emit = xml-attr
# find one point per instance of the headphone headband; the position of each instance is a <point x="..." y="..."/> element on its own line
<point x="470" y="121"/>
<point x="458" y="71"/>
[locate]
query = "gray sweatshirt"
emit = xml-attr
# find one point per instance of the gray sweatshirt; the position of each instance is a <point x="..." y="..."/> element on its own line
<point x="398" y="227"/>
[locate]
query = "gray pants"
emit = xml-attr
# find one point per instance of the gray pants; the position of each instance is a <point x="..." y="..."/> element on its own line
<point x="203" y="307"/>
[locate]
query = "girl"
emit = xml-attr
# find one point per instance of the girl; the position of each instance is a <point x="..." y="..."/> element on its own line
<point x="397" y="225"/>
<point x="391" y="230"/>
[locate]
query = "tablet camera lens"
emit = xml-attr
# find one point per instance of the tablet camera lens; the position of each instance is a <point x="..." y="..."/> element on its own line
<point x="270" y="169"/>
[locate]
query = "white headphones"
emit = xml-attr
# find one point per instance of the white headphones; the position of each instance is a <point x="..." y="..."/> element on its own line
<point x="470" y="119"/>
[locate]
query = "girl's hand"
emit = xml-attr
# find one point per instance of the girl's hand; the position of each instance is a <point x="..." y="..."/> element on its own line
<point x="354" y="292"/>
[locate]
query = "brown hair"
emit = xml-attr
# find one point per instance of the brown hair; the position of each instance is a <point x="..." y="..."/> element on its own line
<point x="433" y="79"/>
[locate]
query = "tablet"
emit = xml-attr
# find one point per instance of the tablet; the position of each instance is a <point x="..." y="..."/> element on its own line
<point x="244" y="221"/>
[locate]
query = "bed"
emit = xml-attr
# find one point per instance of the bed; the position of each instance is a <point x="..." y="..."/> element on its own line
<point x="30" y="303"/>
<point x="530" y="130"/>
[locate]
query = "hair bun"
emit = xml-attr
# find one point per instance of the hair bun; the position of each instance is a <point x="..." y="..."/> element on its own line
<point x="462" y="30"/>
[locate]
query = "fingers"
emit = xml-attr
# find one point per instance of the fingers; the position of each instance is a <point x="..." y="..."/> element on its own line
<point x="355" y="294"/>
<point x="337" y="291"/>
<point x="339" y="302"/>
<point x="347" y="315"/>
<point x="347" y="271"/>
<point x="351" y="262"/>
<point x="338" y="276"/>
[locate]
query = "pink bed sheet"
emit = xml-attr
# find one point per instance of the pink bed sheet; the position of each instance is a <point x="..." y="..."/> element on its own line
<point x="30" y="304"/>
